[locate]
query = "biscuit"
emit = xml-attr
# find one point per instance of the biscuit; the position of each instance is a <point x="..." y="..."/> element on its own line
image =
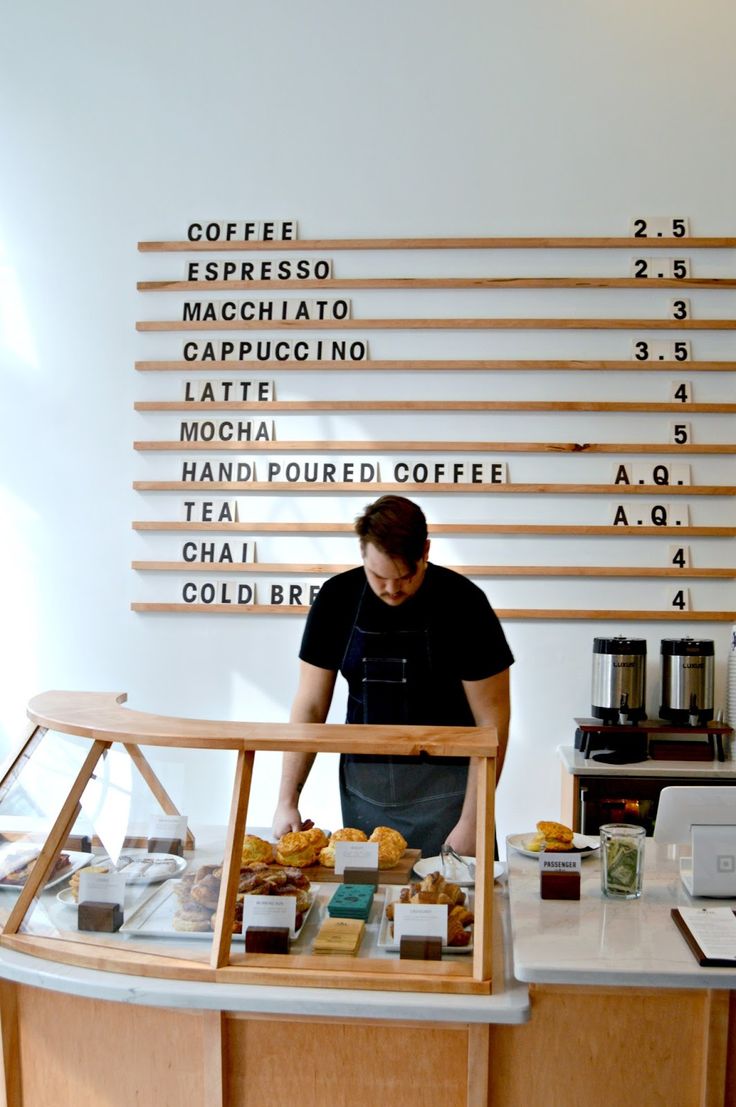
<point x="317" y="837"/>
<point x="348" y="834"/>
<point x="256" y="849"/>
<point x="391" y="846"/>
<point x="555" y="832"/>
<point x="295" y="849"/>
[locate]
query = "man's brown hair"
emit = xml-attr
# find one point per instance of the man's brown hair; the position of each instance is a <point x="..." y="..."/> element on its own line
<point x="395" y="525"/>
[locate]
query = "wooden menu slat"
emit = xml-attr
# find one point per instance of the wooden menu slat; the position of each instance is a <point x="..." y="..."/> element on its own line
<point x="371" y="446"/>
<point x="482" y="365"/>
<point x="485" y="323"/>
<point x="543" y="613"/>
<point x="467" y="570"/>
<point x="501" y="489"/>
<point x="498" y="242"/>
<point x="533" y="529"/>
<point x="433" y="405"/>
<point x="404" y="283"/>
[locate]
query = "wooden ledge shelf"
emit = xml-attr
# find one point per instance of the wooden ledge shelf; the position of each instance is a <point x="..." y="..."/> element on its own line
<point x="436" y="529"/>
<point x="451" y="489"/>
<point x="473" y="324"/>
<point x="272" y="568"/>
<point x="498" y="242"/>
<point x="434" y="447"/>
<point x="646" y="407"/>
<point x="506" y="614"/>
<point x="483" y="365"/>
<point x="405" y="283"/>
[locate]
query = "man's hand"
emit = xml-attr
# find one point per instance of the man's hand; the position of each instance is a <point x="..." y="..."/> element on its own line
<point x="462" y="838"/>
<point x="287" y="818"/>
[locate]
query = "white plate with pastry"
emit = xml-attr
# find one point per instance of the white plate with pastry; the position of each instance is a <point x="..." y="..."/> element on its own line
<point x="453" y="871"/>
<point x="584" y="844"/>
<point x="169" y="914"/>
<point x="16" y="874"/>
<point x="141" y="867"/>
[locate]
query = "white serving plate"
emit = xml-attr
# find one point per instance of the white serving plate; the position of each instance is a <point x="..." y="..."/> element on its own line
<point x="154" y="918"/>
<point x="454" y="872"/>
<point x="78" y="861"/>
<point x="585" y="844"/>
<point x="386" y="939"/>
<point x="141" y="867"/>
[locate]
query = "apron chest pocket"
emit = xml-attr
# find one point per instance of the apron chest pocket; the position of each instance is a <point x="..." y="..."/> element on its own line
<point x="386" y="670"/>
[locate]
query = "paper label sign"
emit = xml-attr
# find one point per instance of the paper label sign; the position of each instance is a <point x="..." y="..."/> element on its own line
<point x="423" y="920"/>
<point x="168" y="826"/>
<point x="559" y="863"/>
<point x="355" y="855"/>
<point x="270" y="911"/>
<point x="101" y="887"/>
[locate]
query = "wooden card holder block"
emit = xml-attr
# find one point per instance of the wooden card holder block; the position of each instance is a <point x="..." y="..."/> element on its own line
<point x="360" y="876"/>
<point x="165" y="845"/>
<point x="559" y="885"/>
<point x="98" y="916"/>
<point x="420" y="948"/>
<point x="267" y="939"/>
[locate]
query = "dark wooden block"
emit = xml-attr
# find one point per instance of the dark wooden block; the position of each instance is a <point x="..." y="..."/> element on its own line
<point x="420" y="948"/>
<point x="166" y="845"/>
<point x="559" y="885"/>
<point x="267" y="939"/>
<point x="361" y="876"/>
<point x="103" y="917"/>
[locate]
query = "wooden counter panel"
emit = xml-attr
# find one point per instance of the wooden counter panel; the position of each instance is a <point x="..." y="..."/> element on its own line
<point x="605" y="1047"/>
<point x="343" y="1065"/>
<point x="77" y="1052"/>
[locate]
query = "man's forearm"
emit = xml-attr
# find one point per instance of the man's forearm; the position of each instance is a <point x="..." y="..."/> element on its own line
<point x="294" y="772"/>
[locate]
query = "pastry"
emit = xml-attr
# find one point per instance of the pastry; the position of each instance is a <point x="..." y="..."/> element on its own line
<point x="555" y="837"/>
<point x="192" y="917"/>
<point x="295" y="849"/>
<point x="256" y="849"/>
<point x="347" y="834"/>
<point x="435" y="889"/>
<point x="74" y="879"/>
<point x="391" y="846"/>
<point x="206" y="892"/>
<point x="317" y="837"/>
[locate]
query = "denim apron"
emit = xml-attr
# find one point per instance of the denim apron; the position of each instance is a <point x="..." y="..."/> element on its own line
<point x="390" y="680"/>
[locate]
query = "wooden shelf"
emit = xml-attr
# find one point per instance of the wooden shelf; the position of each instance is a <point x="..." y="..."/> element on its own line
<point x="435" y="529"/>
<point x="505" y="614"/>
<point x="405" y="283"/>
<point x="434" y="405"/>
<point x="466" y="570"/>
<point x="505" y="242"/>
<point x="432" y="446"/>
<point x="381" y="487"/>
<point x="434" y="324"/>
<point x="441" y="366"/>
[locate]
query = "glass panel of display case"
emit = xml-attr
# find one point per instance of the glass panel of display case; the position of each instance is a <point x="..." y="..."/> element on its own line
<point x="146" y="875"/>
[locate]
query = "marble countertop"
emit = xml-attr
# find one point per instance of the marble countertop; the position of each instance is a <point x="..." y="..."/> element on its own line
<point x="596" y="940"/>
<point x="578" y="765"/>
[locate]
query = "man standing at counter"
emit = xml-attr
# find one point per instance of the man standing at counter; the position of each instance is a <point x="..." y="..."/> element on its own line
<point x="417" y="644"/>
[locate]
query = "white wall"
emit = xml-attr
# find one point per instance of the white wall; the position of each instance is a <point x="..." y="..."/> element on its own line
<point x="409" y="119"/>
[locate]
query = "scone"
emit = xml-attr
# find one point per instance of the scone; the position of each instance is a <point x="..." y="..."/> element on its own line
<point x="295" y="849"/>
<point x="256" y="849"/>
<point x="317" y="837"/>
<point x="391" y="846"/>
<point x="347" y="834"/>
<point x="551" y="836"/>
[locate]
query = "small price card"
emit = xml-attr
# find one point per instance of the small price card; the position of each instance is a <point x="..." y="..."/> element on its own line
<point x="270" y="911"/>
<point x="426" y="920"/>
<point x="101" y="887"/>
<point x="556" y="863"/>
<point x="355" y="855"/>
<point x="168" y="826"/>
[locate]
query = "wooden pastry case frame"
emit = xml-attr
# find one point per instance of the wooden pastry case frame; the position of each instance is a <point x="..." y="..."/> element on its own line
<point x="101" y="718"/>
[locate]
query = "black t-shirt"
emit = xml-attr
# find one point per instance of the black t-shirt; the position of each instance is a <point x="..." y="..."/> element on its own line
<point x="465" y="638"/>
